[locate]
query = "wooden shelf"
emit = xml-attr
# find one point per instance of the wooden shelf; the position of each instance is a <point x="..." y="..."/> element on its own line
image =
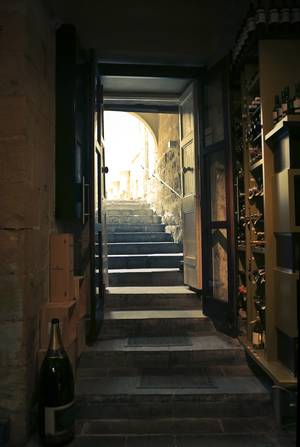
<point x="258" y="250"/>
<point x="257" y="138"/>
<point x="278" y="373"/>
<point x="278" y="126"/>
<point x="256" y="165"/>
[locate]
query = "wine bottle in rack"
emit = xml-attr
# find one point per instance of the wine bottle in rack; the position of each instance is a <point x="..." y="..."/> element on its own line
<point x="260" y="18"/>
<point x="56" y="393"/>
<point x="257" y="332"/>
<point x="277" y="110"/>
<point x="273" y="18"/>
<point x="296" y="100"/>
<point x="285" y="101"/>
<point x="242" y="300"/>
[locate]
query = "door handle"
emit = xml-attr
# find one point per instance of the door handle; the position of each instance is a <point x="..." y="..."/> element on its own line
<point x="104" y="170"/>
<point x="85" y="186"/>
<point x="185" y="169"/>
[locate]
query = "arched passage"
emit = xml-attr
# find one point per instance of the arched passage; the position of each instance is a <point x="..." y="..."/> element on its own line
<point x="131" y="142"/>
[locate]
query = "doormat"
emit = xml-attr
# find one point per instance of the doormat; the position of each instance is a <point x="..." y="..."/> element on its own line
<point x="158" y="341"/>
<point x="199" y="380"/>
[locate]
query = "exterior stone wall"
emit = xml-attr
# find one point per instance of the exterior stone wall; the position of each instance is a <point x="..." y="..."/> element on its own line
<point x="26" y="198"/>
<point x="167" y="168"/>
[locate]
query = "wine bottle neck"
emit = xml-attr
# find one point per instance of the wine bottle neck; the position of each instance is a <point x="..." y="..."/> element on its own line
<point x="55" y="343"/>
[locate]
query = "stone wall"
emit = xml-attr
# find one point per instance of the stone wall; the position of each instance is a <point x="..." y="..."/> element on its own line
<point x="26" y="198"/>
<point x="167" y="167"/>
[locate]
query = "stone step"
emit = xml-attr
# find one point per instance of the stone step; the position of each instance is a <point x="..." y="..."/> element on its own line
<point x="129" y="212"/>
<point x="168" y="297"/>
<point x="162" y="260"/>
<point x="139" y="237"/>
<point x="243" y="439"/>
<point x="214" y="350"/>
<point x="85" y="371"/>
<point x="147" y="396"/>
<point x="169" y="425"/>
<point x="145" y="277"/>
<point x="126" y="204"/>
<point x="120" y="324"/>
<point x="123" y="248"/>
<point x="133" y="219"/>
<point x="130" y="228"/>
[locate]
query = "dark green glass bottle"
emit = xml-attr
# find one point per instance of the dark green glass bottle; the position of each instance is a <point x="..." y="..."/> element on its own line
<point x="56" y="393"/>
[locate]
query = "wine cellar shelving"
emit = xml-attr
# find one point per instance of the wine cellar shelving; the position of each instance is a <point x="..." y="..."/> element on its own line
<point x="263" y="309"/>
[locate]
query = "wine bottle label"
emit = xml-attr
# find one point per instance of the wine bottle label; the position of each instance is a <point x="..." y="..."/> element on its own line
<point x="296" y="105"/>
<point x="58" y="420"/>
<point x="285" y="15"/>
<point x="274" y="16"/>
<point x="295" y="15"/>
<point x="256" y="338"/>
<point x="274" y="115"/>
<point x="260" y="16"/>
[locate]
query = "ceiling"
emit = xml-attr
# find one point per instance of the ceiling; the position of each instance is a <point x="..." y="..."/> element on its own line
<point x="190" y="32"/>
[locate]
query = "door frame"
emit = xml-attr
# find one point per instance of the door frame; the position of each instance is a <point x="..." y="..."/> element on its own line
<point x="198" y="75"/>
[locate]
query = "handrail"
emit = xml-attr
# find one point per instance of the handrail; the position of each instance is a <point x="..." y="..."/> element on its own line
<point x="162" y="182"/>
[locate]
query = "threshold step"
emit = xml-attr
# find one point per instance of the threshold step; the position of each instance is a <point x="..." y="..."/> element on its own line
<point x="186" y="440"/>
<point x="119" y="324"/>
<point x="140" y="351"/>
<point x="176" y="395"/>
<point x="164" y="426"/>
<point x="163" y="297"/>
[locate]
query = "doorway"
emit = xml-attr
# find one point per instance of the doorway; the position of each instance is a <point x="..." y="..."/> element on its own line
<point x="144" y="94"/>
<point x="167" y="106"/>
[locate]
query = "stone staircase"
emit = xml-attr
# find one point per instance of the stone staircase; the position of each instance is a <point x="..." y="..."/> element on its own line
<point x="166" y="377"/>
<point x="160" y="375"/>
<point x="140" y="252"/>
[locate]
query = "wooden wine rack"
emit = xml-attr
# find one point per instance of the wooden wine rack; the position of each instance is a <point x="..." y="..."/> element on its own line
<point x="264" y="75"/>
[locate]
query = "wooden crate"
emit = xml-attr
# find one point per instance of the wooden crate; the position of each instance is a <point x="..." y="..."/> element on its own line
<point x="62" y="251"/>
<point x="62" y="287"/>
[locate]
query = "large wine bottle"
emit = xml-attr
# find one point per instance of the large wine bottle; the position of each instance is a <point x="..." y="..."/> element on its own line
<point x="56" y="393"/>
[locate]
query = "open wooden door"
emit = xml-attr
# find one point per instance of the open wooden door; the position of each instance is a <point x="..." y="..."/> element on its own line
<point x="219" y="297"/>
<point x="190" y="178"/>
<point x="96" y="198"/>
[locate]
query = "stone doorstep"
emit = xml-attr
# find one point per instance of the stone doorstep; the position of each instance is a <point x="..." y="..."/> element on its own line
<point x="148" y="389"/>
<point x="88" y="370"/>
<point x="273" y="439"/>
<point x="185" y="440"/>
<point x="118" y="324"/>
<point x="209" y="350"/>
<point x="174" y="426"/>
